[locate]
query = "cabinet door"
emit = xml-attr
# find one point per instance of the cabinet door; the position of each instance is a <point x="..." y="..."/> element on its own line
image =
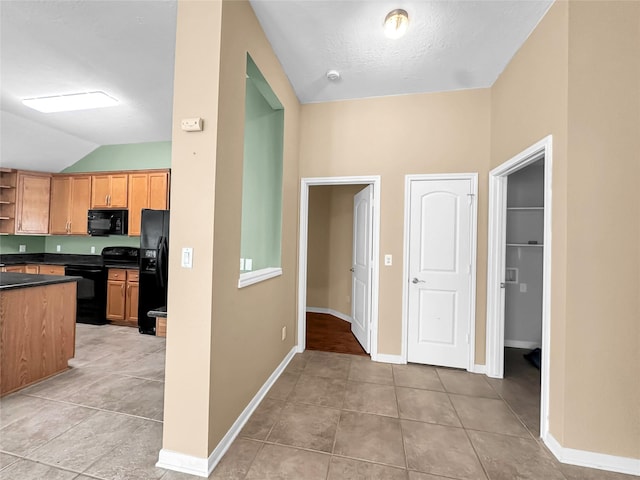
<point x="32" y="210"/>
<point x="115" y="300"/>
<point x="100" y="190"/>
<point x="60" y="201"/>
<point x="118" y="194"/>
<point x="80" y="204"/>
<point x="132" y="303"/>
<point x="138" y="199"/>
<point x="159" y="190"/>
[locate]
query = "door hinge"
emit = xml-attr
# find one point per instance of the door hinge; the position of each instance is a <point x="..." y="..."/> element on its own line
<point x="467" y="339"/>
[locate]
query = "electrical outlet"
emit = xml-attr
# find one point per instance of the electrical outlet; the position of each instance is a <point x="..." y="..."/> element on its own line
<point x="242" y="264"/>
<point x="248" y="264"/>
<point x="284" y="333"/>
<point x="388" y="260"/>
<point x="22" y="248"/>
<point x="93" y="249"/>
<point x="58" y="248"/>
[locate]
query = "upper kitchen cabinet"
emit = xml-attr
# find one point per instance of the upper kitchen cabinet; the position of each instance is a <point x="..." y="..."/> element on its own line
<point x="70" y="201"/>
<point x="109" y="190"/>
<point x="32" y="203"/>
<point x="147" y="189"/>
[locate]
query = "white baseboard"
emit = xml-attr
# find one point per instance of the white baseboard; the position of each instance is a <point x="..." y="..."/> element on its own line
<point x="600" y="461"/>
<point x="330" y="311"/>
<point x="203" y="467"/>
<point x="384" y="358"/>
<point x="521" y="344"/>
<point x="479" y="369"/>
<point x="181" y="462"/>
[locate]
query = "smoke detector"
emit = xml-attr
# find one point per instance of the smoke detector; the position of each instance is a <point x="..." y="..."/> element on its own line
<point x="333" y="75"/>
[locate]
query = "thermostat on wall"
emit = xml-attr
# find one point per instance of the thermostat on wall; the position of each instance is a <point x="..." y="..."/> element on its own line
<point x="191" y="124"/>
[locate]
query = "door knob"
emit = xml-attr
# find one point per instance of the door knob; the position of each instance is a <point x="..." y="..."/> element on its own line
<point x="352" y="269"/>
<point x="415" y="280"/>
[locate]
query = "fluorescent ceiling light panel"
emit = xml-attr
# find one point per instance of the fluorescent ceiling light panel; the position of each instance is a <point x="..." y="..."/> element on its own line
<point x="68" y="103"/>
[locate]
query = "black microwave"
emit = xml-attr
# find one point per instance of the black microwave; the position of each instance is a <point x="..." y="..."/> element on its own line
<point x="108" y="222"/>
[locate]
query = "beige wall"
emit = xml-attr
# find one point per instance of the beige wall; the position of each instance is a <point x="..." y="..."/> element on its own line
<point x="602" y="389"/>
<point x="193" y="176"/>
<point x="529" y="102"/>
<point x="392" y="137"/>
<point x="318" y="247"/>
<point x="223" y="342"/>
<point x="247" y="322"/>
<point x="582" y="85"/>
<point x="330" y="251"/>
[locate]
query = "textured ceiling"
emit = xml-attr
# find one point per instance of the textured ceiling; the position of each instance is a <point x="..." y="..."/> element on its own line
<point x="450" y="45"/>
<point x="126" y="49"/>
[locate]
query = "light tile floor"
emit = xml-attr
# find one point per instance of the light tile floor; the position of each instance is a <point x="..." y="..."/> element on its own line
<point x="329" y="417"/>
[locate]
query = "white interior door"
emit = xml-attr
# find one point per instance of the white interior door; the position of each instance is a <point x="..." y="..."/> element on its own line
<point x="361" y="270"/>
<point x="440" y="253"/>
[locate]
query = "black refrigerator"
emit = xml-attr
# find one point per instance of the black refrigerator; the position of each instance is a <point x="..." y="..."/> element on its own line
<point x="154" y="261"/>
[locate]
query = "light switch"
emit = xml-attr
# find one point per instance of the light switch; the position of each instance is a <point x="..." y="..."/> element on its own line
<point x="388" y="260"/>
<point x="241" y="264"/>
<point x="187" y="257"/>
<point x="22" y="248"/>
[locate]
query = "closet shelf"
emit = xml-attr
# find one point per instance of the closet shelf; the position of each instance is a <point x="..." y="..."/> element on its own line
<point x="525" y="245"/>
<point x="525" y="208"/>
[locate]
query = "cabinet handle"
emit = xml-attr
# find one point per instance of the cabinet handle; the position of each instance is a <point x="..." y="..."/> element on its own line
<point x="109" y="197"/>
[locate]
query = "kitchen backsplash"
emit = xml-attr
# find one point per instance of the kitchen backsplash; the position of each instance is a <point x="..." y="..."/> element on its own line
<point x="68" y="244"/>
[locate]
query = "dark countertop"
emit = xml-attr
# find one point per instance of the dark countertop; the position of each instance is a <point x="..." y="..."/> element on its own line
<point x="51" y="259"/>
<point x="10" y="280"/>
<point x="160" y="312"/>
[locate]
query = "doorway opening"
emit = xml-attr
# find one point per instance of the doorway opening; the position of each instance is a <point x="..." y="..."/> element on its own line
<point x="338" y="261"/>
<point x="519" y="273"/>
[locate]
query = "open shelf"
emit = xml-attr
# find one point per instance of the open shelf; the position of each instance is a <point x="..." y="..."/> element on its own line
<point x="525" y="245"/>
<point x="525" y="208"/>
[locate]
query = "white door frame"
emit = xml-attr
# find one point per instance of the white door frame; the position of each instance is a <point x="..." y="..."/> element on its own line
<point x="496" y="267"/>
<point x="373" y="180"/>
<point x="473" y="177"/>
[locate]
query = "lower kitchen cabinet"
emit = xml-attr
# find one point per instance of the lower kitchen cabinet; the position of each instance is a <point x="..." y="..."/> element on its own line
<point x="122" y="296"/>
<point x="51" y="269"/>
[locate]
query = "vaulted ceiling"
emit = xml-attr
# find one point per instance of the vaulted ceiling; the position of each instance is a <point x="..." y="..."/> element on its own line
<point x="126" y="49"/>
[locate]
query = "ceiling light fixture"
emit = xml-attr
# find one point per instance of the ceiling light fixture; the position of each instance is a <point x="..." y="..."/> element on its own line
<point x="396" y="23"/>
<point x="71" y="102"/>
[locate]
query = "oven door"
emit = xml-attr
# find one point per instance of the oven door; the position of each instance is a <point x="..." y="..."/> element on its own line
<point x="92" y="293"/>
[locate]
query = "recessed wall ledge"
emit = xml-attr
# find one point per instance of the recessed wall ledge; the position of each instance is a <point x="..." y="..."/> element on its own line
<point x="249" y="278"/>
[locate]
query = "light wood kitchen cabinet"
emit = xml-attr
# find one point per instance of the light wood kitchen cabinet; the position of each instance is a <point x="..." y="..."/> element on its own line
<point x="51" y="269"/>
<point x="109" y="190"/>
<point x="32" y="202"/>
<point x="33" y="269"/>
<point x="70" y="201"/>
<point x="148" y="189"/>
<point x="15" y="268"/>
<point x="122" y="296"/>
<point x="7" y="200"/>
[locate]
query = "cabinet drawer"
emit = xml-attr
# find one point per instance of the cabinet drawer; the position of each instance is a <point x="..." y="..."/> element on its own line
<point x="133" y="275"/>
<point x="51" y="270"/>
<point x="117" y="274"/>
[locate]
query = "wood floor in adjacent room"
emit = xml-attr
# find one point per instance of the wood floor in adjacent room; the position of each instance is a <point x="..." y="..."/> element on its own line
<point x="330" y="334"/>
